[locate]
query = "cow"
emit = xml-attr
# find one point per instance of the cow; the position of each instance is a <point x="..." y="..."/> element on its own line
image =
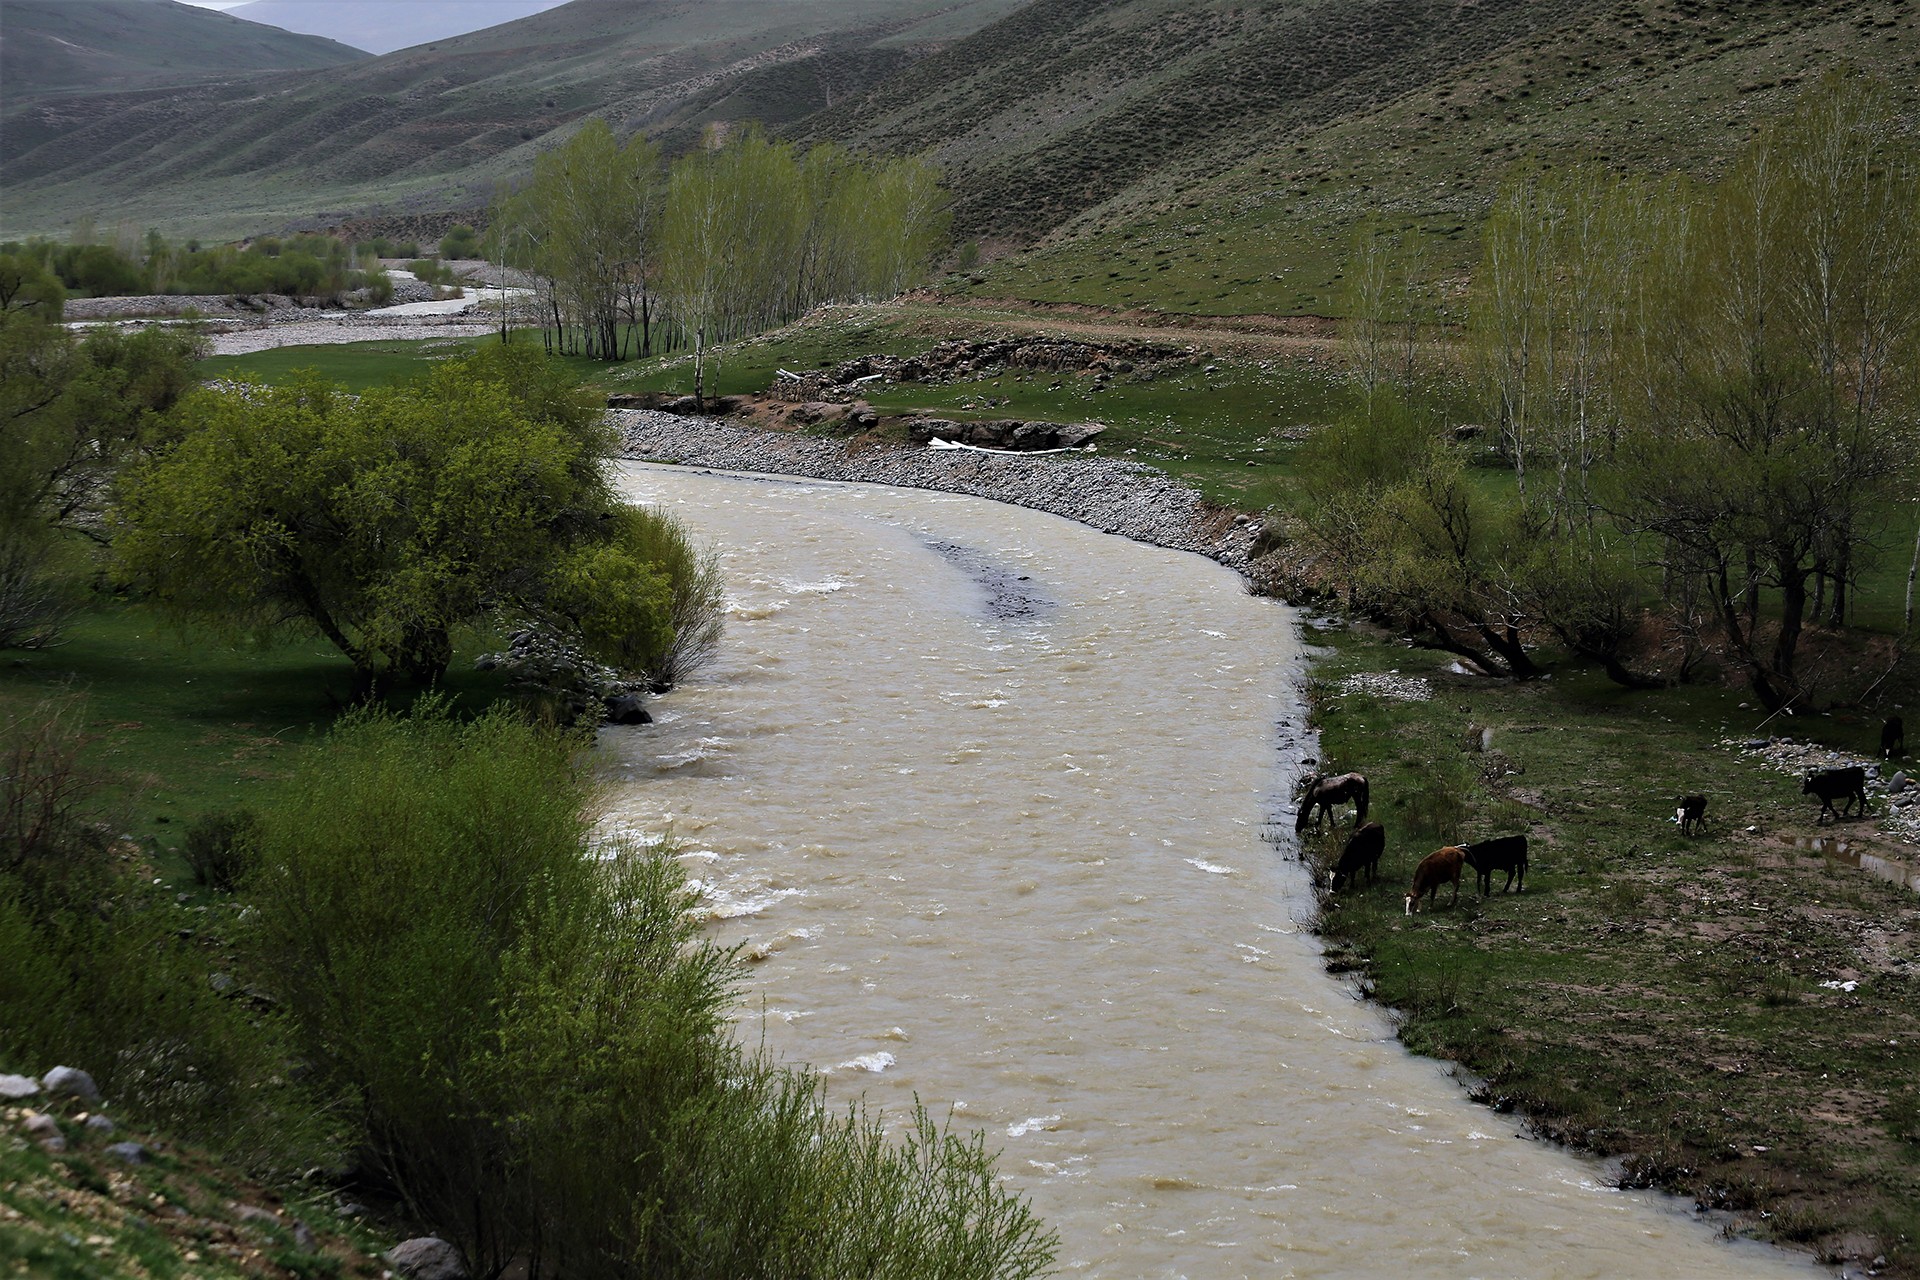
<point x="1502" y="853"/>
<point x="1362" y="853"/>
<point x="1692" y="813"/>
<point x="1893" y="738"/>
<point x="1837" y="784"/>
<point x="1435" y="870"/>
<point x="1324" y="792"/>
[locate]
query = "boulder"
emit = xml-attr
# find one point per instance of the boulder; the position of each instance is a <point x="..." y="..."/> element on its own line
<point x="71" y="1082"/>
<point x="628" y="708"/>
<point x="14" y="1088"/>
<point x="1898" y="783"/>
<point x="427" y="1258"/>
<point x="303" y="1238"/>
<point x="99" y="1124"/>
<point x="129" y="1152"/>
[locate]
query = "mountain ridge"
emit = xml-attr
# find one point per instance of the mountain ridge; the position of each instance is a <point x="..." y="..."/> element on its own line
<point x="57" y="46"/>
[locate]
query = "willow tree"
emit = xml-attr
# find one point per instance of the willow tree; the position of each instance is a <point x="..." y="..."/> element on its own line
<point x="585" y="223"/>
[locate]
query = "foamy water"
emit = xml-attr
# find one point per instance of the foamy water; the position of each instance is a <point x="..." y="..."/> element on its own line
<point x="1011" y="861"/>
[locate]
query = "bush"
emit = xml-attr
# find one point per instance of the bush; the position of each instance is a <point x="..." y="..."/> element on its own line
<point x="461" y="241"/>
<point x="220" y="848"/>
<point x="94" y="971"/>
<point x="537" y="1039"/>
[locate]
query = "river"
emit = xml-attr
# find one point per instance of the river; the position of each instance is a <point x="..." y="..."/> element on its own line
<point x="987" y="795"/>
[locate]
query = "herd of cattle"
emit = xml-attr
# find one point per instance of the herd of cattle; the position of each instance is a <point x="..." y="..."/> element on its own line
<point x="1320" y="794"/>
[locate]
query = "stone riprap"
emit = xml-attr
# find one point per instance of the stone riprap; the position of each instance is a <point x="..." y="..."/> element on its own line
<point x="1116" y="496"/>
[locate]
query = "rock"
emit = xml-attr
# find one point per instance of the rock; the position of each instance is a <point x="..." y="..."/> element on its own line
<point x="130" y="1152"/>
<point x="253" y="1213"/>
<point x="99" y="1124"/>
<point x="1898" y="783"/>
<point x="628" y="708"/>
<point x="303" y="1238"/>
<point x="40" y="1126"/>
<point x="14" y="1088"/>
<point x="71" y="1082"/>
<point x="427" y="1258"/>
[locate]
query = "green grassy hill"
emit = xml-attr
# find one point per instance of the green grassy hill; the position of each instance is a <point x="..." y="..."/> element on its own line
<point x="1215" y="158"/>
<point x="64" y="46"/>
<point x="1187" y="156"/>
<point x="435" y="127"/>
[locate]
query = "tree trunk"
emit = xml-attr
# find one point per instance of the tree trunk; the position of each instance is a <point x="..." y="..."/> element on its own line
<point x="699" y="369"/>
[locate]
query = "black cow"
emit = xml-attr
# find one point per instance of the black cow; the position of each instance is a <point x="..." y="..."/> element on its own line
<point x="1362" y="853"/>
<point x="1693" y="813"/>
<point x="1893" y="738"/>
<point x="1323" y="792"/>
<point x="1502" y="853"/>
<point x="1836" y="784"/>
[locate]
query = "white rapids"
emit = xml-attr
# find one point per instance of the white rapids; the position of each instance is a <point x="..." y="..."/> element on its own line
<point x="982" y="792"/>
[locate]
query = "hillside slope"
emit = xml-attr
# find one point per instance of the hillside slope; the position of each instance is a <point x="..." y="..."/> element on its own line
<point x="1216" y="158"/>
<point x="436" y="126"/>
<point x="380" y="26"/>
<point x="61" y="46"/>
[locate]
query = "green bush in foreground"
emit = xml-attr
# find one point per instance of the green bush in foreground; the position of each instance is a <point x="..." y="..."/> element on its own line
<point x="533" y="1037"/>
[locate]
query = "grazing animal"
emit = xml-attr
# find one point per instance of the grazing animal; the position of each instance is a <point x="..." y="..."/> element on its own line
<point x="1362" y="853"/>
<point x="1838" y="784"/>
<point x="1435" y="870"/>
<point x="1893" y="738"/>
<point x="1324" y="792"/>
<point x="1692" y="813"/>
<point x="1502" y="853"/>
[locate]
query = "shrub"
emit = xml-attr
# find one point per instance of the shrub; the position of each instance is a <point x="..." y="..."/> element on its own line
<point x="94" y="971"/>
<point x="220" y="847"/>
<point x="536" y="1036"/>
<point x="461" y="241"/>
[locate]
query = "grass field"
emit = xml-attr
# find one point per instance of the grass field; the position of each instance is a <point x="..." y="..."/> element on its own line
<point x="185" y="724"/>
<point x="1649" y="996"/>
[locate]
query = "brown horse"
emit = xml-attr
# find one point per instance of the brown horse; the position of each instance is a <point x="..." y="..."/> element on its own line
<point x="1322" y="792"/>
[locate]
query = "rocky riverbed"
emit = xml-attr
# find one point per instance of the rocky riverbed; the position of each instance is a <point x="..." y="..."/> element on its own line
<point x="1115" y="496"/>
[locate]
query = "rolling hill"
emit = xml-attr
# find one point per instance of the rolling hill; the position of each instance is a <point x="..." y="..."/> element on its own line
<point x="1205" y="156"/>
<point x="381" y="26"/>
<point x="1216" y="158"/>
<point x="62" y="46"/>
<point x="435" y="127"/>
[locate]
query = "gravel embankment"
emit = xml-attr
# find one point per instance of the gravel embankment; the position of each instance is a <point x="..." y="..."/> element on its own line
<point x="1109" y="494"/>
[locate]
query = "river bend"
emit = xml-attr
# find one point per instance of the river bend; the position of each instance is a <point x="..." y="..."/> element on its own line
<point x="984" y="792"/>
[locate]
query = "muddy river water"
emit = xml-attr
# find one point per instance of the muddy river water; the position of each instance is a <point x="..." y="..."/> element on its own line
<point x="986" y="791"/>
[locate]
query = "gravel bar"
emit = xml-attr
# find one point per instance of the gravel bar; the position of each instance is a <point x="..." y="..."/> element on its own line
<point x="1115" y="496"/>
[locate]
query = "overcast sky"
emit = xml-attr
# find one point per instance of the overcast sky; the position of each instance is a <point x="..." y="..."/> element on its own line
<point x="216" y="4"/>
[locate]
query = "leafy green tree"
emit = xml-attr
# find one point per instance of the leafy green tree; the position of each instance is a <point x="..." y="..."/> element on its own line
<point x="27" y="286"/>
<point x="1785" y="376"/>
<point x="383" y="521"/>
<point x="71" y="410"/>
<point x="584" y="223"/>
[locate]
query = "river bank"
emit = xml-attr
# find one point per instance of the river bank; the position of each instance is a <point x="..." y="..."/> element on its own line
<point x="1733" y="1018"/>
<point x="1112" y="495"/>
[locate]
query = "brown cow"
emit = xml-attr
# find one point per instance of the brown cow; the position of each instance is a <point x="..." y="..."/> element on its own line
<point x="1435" y="870"/>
